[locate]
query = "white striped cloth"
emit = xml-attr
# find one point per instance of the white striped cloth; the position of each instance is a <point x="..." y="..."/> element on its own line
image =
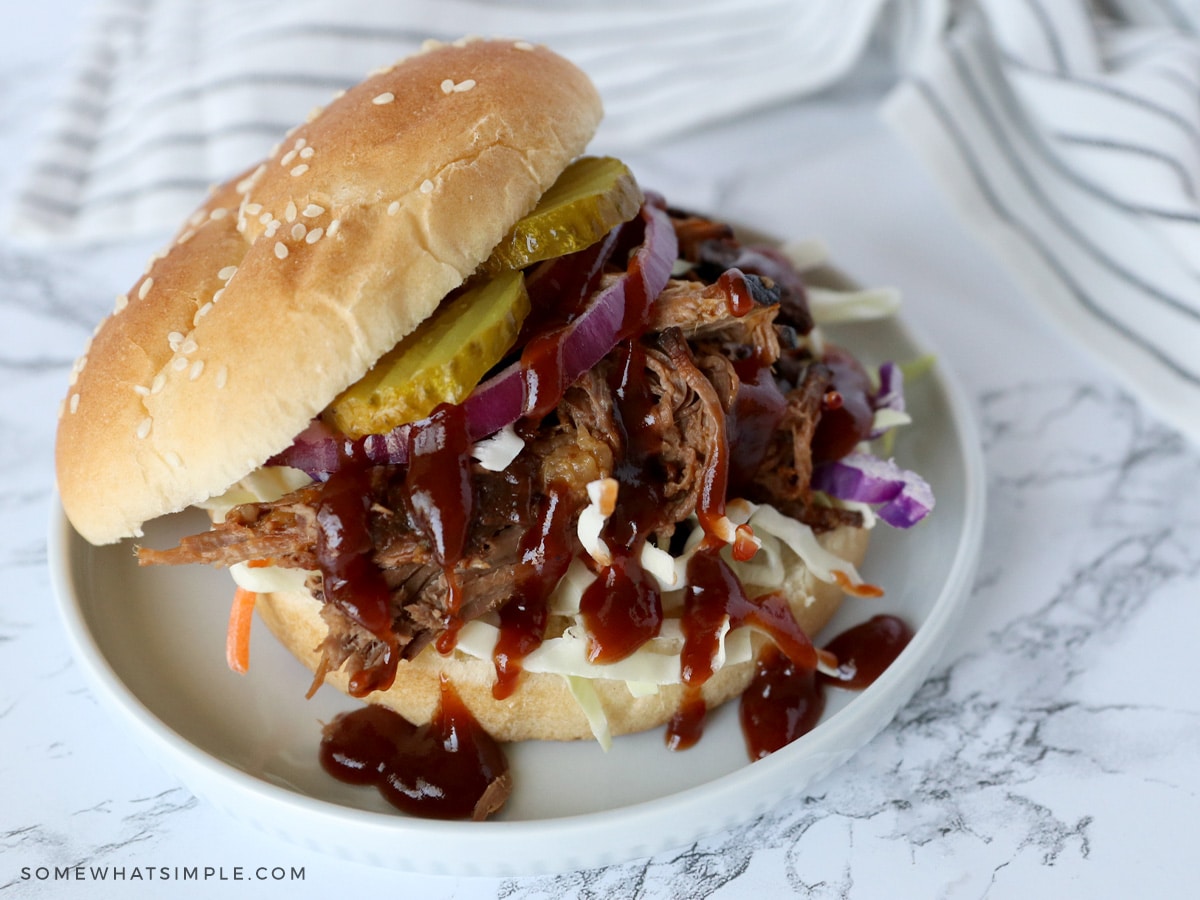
<point x="1067" y="132"/>
<point x="170" y="96"/>
<point x="1070" y="142"/>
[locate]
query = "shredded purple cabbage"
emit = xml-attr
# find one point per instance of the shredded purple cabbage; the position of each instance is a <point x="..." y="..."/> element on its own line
<point x="890" y="394"/>
<point x="905" y="496"/>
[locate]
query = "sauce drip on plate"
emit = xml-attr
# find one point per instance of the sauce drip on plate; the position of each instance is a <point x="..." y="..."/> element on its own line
<point x="785" y="701"/>
<point x="448" y="769"/>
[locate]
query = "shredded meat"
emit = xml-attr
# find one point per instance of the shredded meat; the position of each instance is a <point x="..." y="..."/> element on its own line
<point x="691" y="353"/>
<point x="283" y="532"/>
<point x="692" y="426"/>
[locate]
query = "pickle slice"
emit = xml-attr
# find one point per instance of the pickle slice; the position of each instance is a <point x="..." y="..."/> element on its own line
<point x="440" y="362"/>
<point x="592" y="196"/>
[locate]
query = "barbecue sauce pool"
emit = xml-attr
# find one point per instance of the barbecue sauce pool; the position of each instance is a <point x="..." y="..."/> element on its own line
<point x="784" y="701"/>
<point x="448" y="769"/>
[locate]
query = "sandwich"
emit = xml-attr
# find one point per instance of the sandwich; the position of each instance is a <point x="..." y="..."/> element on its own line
<point x="468" y="407"/>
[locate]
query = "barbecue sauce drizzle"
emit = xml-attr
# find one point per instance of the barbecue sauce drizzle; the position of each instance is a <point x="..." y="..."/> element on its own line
<point x="544" y="556"/>
<point x="713" y="593"/>
<point x="440" y="499"/>
<point x="622" y="607"/>
<point x="350" y="579"/>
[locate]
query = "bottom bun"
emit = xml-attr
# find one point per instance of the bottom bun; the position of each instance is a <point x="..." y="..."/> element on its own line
<point x="542" y="707"/>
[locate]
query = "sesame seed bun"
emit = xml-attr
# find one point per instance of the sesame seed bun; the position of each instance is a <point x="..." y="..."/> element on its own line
<point x="293" y="279"/>
<point x="542" y="707"/>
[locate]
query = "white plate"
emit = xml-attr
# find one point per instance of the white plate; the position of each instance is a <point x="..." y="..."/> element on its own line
<point x="152" y="643"/>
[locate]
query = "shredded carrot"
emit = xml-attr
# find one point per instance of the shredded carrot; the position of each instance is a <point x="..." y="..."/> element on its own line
<point x="856" y="590"/>
<point x="237" y="639"/>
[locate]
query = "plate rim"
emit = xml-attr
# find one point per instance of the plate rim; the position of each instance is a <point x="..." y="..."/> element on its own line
<point x="489" y="845"/>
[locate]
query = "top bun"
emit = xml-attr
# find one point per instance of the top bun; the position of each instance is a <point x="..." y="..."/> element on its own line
<point x="291" y="281"/>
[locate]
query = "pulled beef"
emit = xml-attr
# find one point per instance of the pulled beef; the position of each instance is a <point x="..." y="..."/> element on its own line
<point x="712" y="248"/>
<point x="283" y="533"/>
<point x="693" y="352"/>
<point x="704" y="314"/>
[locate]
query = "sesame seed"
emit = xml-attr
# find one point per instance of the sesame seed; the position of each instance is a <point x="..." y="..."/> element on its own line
<point x="300" y="143"/>
<point x="141" y="390"/>
<point x="186" y="236"/>
<point x="122" y="302"/>
<point x="189" y="346"/>
<point x="144" y="427"/>
<point x="217" y="294"/>
<point x="522" y="45"/>
<point x="173" y="459"/>
<point x="333" y="227"/>
<point x="179" y="363"/>
<point x="448" y="86"/>
<point x="426" y="186"/>
<point x="226" y="273"/>
<point x="287" y="158"/>
<point x="174" y="339"/>
<point x="393" y="207"/>
<point x="272" y="227"/>
<point x="307" y="153"/>
<point x="196" y="218"/>
<point x="241" y="226"/>
<point x="281" y="250"/>
<point x="289" y="213"/>
<point x="298" y="231"/>
<point x="314" y="235"/>
<point x="197" y="368"/>
<point x="201" y="313"/>
<point x="385" y="97"/>
<point x="312" y="210"/>
<point x="222" y="376"/>
<point x="74" y="402"/>
<point x="314" y="114"/>
<point x="145" y="288"/>
<point x="464" y="86"/>
<point x="249" y="181"/>
<point x="218" y="213"/>
<point x="159" y="382"/>
<point x="265" y="218"/>
<point x="253" y="209"/>
<point x="300" y="169"/>
<point x="430" y="44"/>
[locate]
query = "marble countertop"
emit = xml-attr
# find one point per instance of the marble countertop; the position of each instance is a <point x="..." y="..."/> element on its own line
<point x="1052" y="752"/>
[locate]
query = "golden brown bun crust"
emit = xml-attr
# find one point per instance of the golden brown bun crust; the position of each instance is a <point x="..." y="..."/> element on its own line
<point x="541" y="708"/>
<point x="290" y="282"/>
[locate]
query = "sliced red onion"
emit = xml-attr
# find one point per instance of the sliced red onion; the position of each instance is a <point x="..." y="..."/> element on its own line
<point x="501" y="400"/>
<point x="906" y="496"/>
